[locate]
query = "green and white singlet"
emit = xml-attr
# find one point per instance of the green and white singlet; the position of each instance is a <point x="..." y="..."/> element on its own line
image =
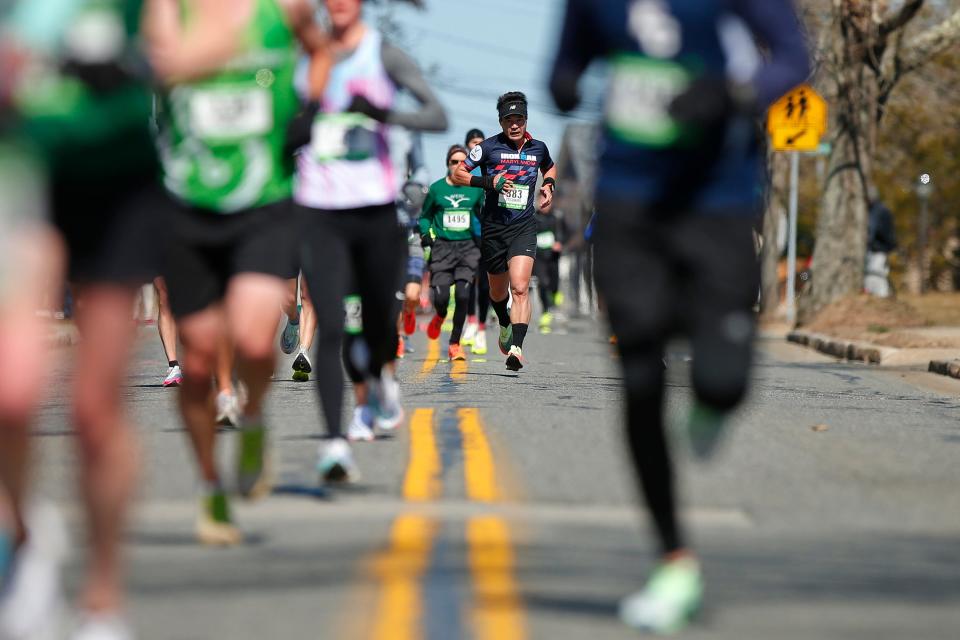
<point x="222" y="137"/>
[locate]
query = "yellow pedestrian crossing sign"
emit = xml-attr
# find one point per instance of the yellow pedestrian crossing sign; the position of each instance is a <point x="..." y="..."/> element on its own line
<point x="796" y="121"/>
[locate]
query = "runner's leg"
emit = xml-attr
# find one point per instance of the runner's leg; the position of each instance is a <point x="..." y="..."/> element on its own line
<point x="520" y="268"/>
<point x="462" y="300"/>
<point x="166" y="325"/>
<point x="250" y="304"/>
<point x="326" y="267"/>
<point x="109" y="457"/>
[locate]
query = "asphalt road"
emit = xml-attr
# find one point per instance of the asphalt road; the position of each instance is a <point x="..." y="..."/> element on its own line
<point x="504" y="507"/>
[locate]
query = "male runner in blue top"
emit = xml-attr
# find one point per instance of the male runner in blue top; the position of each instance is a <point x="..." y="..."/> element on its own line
<point x="678" y="184"/>
<point x="510" y="163"/>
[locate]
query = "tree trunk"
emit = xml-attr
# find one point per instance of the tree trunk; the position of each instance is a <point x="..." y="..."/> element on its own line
<point x="774" y="212"/>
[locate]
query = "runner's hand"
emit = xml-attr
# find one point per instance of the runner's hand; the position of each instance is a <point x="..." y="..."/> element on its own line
<point x="360" y="104"/>
<point x="496" y="180"/>
<point x="546" y="199"/>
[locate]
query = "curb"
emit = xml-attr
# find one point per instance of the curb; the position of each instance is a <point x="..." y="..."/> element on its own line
<point x="945" y="368"/>
<point x="840" y="348"/>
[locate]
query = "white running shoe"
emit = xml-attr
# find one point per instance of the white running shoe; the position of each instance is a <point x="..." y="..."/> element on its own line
<point x="290" y="337"/>
<point x="228" y="410"/>
<point x="102" y="626"/>
<point x="359" y="428"/>
<point x="174" y="377"/>
<point x="389" y="412"/>
<point x="469" y="333"/>
<point x="479" y="347"/>
<point x="336" y="464"/>
<point x="31" y="604"/>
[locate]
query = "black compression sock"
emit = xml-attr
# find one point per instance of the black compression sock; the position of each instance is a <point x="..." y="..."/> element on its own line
<point x="173" y="363"/>
<point x="501" y="310"/>
<point x="519" y="333"/>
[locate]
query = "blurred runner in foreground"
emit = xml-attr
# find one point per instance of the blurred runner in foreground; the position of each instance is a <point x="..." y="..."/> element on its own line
<point x="82" y="107"/>
<point x="678" y="182"/>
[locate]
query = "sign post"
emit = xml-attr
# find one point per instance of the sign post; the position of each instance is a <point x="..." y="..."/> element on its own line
<point x="795" y="123"/>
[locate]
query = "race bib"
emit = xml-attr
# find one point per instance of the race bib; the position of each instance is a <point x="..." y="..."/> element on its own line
<point x="343" y="136"/>
<point x="456" y="220"/>
<point x="515" y="197"/>
<point x="231" y="113"/>
<point x="545" y="240"/>
<point x="353" y="315"/>
<point x="641" y="90"/>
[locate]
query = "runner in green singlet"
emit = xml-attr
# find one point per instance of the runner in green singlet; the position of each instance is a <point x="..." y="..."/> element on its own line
<point x="222" y="127"/>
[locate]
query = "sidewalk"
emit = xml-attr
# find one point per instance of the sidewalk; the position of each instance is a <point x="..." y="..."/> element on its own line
<point x="936" y="348"/>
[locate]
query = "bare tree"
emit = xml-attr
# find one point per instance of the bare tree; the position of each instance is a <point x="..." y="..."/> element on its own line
<point x="866" y="51"/>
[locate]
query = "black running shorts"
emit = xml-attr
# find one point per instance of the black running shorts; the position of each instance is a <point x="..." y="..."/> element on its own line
<point x="208" y="248"/>
<point x="499" y="242"/>
<point x="114" y="230"/>
<point x="452" y="260"/>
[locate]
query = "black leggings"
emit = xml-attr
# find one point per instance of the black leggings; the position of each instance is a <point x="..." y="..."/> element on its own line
<point x="367" y="248"/>
<point x="461" y="300"/>
<point x="547" y="271"/>
<point x="693" y="275"/>
<point x="479" y="303"/>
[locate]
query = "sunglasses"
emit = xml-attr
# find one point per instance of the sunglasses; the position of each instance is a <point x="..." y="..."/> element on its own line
<point x="453" y="163"/>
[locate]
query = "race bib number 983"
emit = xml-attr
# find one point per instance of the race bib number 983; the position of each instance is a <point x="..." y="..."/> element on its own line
<point x="515" y="198"/>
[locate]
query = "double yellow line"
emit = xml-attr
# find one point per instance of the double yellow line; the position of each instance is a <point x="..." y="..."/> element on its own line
<point x="496" y="612"/>
<point x="458" y="370"/>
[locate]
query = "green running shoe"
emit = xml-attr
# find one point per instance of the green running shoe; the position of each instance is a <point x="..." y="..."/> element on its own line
<point x="302" y="367"/>
<point x="214" y="525"/>
<point x="669" y="600"/>
<point x="506" y="339"/>
<point x="704" y="427"/>
<point x="252" y="476"/>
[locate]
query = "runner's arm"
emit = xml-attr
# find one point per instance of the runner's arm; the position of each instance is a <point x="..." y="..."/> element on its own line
<point x="578" y="46"/>
<point x="315" y="43"/>
<point x="775" y="24"/>
<point x="426" y="216"/>
<point x="180" y="53"/>
<point x="407" y="75"/>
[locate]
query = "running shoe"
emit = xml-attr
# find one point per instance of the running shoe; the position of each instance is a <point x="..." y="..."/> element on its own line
<point x="469" y="333"/>
<point x="479" y="347"/>
<point x="704" y="427"/>
<point x="515" y="358"/>
<point x="433" y="329"/>
<point x="546" y="322"/>
<point x="290" y="337"/>
<point x="302" y="367"/>
<point x="214" y="525"/>
<point x="252" y="474"/>
<point x="228" y="410"/>
<point x="386" y="402"/>
<point x="401" y="347"/>
<point x="31" y="602"/>
<point x="668" y="601"/>
<point x="336" y="464"/>
<point x="506" y="339"/>
<point x="99" y="626"/>
<point x="409" y="322"/>
<point x="455" y="353"/>
<point x="360" y="426"/>
<point x="174" y="377"/>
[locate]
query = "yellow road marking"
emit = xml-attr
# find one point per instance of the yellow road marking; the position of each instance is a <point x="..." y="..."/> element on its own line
<point x="399" y="611"/>
<point x="478" y="470"/>
<point x="458" y="370"/>
<point x="433" y="356"/>
<point x="496" y="614"/>
<point x="422" y="481"/>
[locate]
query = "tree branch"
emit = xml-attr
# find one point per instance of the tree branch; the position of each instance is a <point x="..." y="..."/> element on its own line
<point x="900" y="19"/>
<point x="919" y="50"/>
